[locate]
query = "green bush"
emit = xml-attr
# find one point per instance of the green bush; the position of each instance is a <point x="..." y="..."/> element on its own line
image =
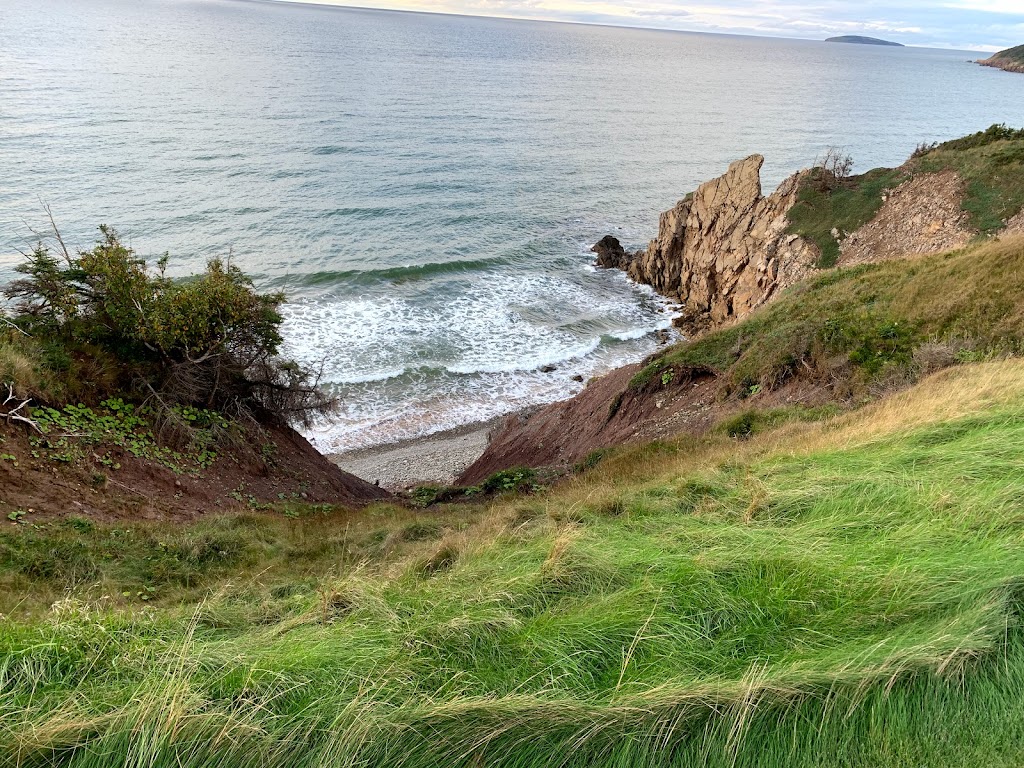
<point x="207" y="342"/>
<point x="521" y="479"/>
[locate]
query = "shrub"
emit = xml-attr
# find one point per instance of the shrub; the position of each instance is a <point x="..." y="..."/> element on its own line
<point x="210" y="341"/>
<point x="832" y="169"/>
<point x="992" y="134"/>
<point x="520" y="479"/>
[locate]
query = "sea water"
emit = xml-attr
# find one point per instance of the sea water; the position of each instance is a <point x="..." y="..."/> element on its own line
<point x="425" y="188"/>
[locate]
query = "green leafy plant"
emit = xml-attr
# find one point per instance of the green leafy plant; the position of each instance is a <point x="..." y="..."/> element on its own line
<point x="522" y="479"/>
<point x="208" y="343"/>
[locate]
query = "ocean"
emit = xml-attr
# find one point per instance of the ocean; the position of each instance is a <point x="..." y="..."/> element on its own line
<point x="425" y="188"/>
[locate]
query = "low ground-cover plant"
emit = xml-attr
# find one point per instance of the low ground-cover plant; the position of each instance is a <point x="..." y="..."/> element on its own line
<point x="519" y="479"/>
<point x="67" y="434"/>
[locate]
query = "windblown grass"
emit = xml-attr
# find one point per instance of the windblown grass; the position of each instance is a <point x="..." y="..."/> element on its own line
<point x="843" y="592"/>
<point x="853" y="328"/>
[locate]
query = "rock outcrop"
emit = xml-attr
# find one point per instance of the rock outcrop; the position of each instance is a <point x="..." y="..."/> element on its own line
<point x="1015" y="226"/>
<point x="611" y="254"/>
<point x="724" y="250"/>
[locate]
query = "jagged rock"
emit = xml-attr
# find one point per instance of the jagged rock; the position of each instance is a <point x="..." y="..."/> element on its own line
<point x="610" y="253"/>
<point x="724" y="250"/>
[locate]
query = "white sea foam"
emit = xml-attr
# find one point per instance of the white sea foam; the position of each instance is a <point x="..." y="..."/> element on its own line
<point x="412" y="360"/>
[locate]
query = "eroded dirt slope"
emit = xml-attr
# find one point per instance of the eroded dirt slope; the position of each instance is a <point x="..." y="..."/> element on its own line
<point x="612" y="411"/>
<point x="142" y="489"/>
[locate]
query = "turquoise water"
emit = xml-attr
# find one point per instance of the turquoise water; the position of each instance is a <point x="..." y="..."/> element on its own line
<point x="426" y="188"/>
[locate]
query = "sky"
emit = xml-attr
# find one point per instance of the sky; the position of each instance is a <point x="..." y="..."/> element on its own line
<point x="977" y="25"/>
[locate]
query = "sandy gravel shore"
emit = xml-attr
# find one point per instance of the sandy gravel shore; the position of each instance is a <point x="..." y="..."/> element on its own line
<point x="435" y="459"/>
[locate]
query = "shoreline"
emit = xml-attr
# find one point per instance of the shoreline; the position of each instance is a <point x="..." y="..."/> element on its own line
<point x="434" y="459"/>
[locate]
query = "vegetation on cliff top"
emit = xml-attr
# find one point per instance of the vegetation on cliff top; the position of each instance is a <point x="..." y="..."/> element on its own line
<point x="103" y="356"/>
<point x="823" y="210"/>
<point x="1015" y="55"/>
<point x="991" y="163"/>
<point x="100" y="323"/>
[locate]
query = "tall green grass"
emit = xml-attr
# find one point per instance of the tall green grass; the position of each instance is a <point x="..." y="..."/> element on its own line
<point x="851" y="329"/>
<point x="846" y="594"/>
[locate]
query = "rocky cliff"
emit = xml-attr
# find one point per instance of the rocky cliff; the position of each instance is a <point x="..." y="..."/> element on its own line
<point x="723" y="250"/>
<point x="1012" y="60"/>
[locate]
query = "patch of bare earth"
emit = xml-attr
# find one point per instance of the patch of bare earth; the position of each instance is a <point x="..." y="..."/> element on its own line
<point x="145" y="490"/>
<point x="610" y="412"/>
<point x="1015" y="225"/>
<point x="921" y="216"/>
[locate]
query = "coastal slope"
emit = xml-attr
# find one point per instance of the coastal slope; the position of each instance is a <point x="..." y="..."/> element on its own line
<point x="792" y="540"/>
<point x="848" y="588"/>
<point x="1010" y="60"/>
<point x="772" y="324"/>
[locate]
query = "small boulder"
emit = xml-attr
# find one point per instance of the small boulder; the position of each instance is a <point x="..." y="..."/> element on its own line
<point x="610" y="253"/>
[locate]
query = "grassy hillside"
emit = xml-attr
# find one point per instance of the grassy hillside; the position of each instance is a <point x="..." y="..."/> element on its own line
<point x="841" y="593"/>
<point x="797" y="587"/>
<point x="859" y="331"/>
<point x="991" y="163"/>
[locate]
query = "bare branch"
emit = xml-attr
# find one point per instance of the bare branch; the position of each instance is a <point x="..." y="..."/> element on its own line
<point x="11" y="324"/>
<point x="14" y="413"/>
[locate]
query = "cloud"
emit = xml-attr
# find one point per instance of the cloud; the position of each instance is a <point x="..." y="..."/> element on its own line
<point x="963" y="24"/>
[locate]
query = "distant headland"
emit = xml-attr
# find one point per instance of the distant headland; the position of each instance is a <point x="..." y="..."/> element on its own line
<point x="861" y="40"/>
<point x="1012" y="60"/>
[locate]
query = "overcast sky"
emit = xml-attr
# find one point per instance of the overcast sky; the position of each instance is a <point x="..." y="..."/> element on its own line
<point x="964" y="24"/>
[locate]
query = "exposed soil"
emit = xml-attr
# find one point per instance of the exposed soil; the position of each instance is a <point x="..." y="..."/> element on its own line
<point x="922" y="215"/>
<point x="609" y="412"/>
<point x="141" y="489"/>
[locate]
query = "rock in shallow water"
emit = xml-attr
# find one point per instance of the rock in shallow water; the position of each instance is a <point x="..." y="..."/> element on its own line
<point x="610" y="253"/>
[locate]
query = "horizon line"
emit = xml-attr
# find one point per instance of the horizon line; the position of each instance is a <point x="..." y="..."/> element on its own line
<point x="607" y="25"/>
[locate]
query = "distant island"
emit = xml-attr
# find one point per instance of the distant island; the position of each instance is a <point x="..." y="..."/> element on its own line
<point x="861" y="40"/>
<point x="1012" y="60"/>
